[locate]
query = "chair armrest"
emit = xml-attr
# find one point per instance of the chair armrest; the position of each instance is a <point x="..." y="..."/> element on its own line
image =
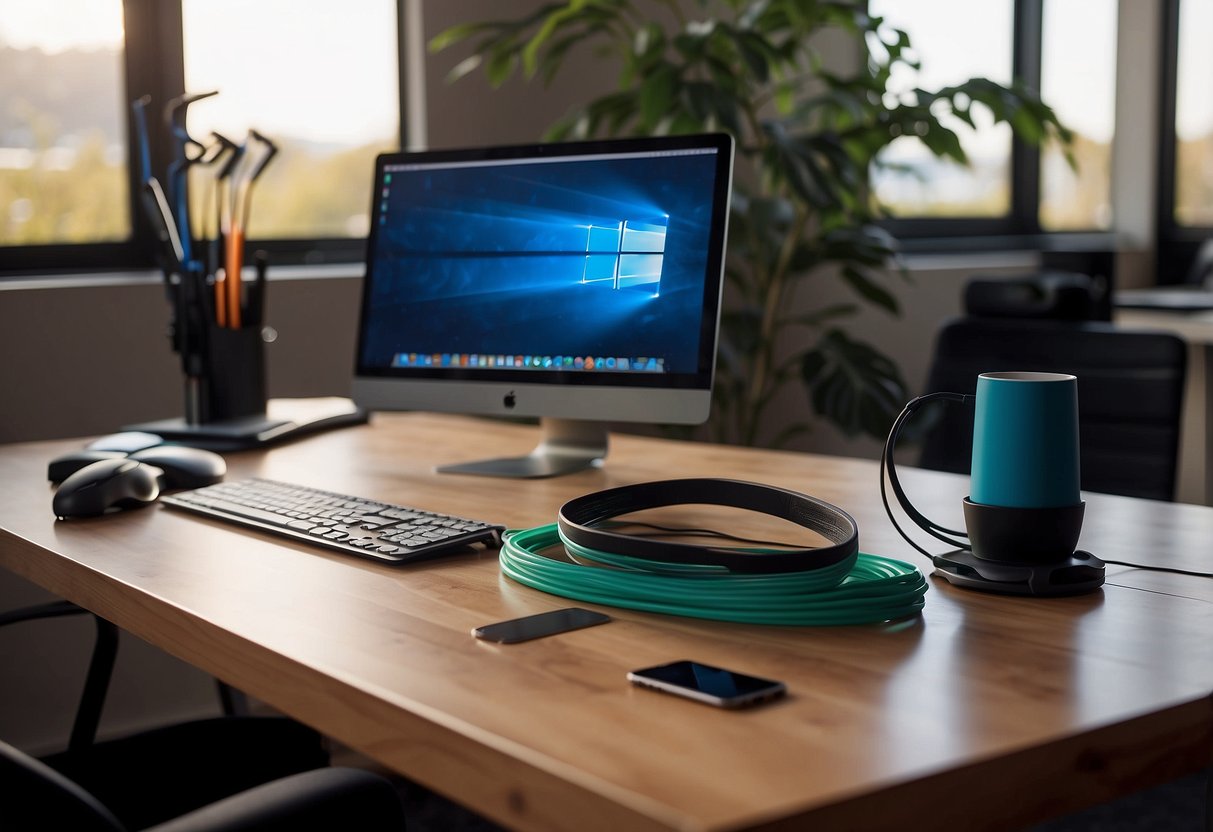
<point x="328" y="798"/>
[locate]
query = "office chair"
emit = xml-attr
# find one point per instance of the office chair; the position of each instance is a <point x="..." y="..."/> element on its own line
<point x="1130" y="395"/>
<point x="1059" y="295"/>
<point x="1200" y="275"/>
<point x="37" y="797"/>
<point x="229" y="772"/>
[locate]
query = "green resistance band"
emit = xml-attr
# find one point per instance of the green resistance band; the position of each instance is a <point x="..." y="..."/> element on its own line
<point x="862" y="589"/>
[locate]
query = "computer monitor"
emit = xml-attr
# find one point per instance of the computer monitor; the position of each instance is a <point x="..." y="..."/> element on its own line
<point x="579" y="283"/>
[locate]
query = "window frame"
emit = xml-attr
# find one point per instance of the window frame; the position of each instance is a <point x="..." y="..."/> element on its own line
<point x="154" y="65"/>
<point x="1020" y="227"/>
<point x="1176" y="245"/>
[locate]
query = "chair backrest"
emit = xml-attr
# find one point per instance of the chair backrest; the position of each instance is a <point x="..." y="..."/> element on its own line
<point x="1056" y="295"/>
<point x="1201" y="272"/>
<point x="1130" y="395"/>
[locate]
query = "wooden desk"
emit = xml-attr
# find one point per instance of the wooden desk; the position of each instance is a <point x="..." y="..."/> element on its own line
<point x="988" y="712"/>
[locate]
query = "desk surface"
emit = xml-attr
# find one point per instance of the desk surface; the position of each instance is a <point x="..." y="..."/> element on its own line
<point x="1194" y="326"/>
<point x="1031" y="706"/>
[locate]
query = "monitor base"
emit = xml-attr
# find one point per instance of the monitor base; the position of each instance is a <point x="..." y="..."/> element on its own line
<point x="567" y="446"/>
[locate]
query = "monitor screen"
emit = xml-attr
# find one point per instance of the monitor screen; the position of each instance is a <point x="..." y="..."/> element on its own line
<point x="574" y="281"/>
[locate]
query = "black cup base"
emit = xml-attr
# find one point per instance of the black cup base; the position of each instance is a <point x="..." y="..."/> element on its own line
<point x="1075" y="574"/>
<point x="1023" y="535"/>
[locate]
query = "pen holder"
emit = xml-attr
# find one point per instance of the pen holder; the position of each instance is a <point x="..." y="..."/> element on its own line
<point x="232" y="385"/>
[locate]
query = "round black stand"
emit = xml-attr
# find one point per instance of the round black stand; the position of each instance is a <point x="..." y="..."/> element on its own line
<point x="1080" y="572"/>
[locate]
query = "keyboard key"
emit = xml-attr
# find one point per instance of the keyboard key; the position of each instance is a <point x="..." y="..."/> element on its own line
<point x="369" y="528"/>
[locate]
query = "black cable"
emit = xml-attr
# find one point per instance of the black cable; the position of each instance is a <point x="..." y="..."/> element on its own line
<point x="889" y="468"/>
<point x="1160" y="568"/>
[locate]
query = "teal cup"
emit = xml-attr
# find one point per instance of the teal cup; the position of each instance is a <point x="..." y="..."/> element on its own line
<point x="1025" y="441"/>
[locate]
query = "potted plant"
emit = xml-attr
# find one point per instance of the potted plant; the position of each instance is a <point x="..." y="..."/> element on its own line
<point x="808" y="138"/>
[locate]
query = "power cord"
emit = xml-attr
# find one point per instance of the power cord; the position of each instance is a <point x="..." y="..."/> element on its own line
<point x="888" y="469"/>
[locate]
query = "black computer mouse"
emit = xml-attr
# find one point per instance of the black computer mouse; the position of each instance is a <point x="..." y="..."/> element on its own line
<point x="109" y="483"/>
<point x="183" y="467"/>
<point x="127" y="441"/>
<point x="62" y="467"/>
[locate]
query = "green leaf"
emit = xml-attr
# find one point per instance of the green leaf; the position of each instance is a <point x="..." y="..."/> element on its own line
<point x="648" y="42"/>
<point x="752" y="50"/>
<point x="869" y="290"/>
<point x="943" y="142"/>
<point x="656" y="95"/>
<point x="697" y="99"/>
<point x="853" y="385"/>
<point x="500" y="67"/>
<point x="551" y="24"/>
<point x="457" y="33"/>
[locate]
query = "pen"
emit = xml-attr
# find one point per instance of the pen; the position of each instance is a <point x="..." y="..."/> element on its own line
<point x="235" y="255"/>
<point x="156" y="206"/>
<point x="224" y="245"/>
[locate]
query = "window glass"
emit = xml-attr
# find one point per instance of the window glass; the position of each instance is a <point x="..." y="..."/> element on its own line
<point x="320" y="80"/>
<point x="62" y="125"/>
<point x="953" y="43"/>
<point x="1078" y="80"/>
<point x="1194" y="116"/>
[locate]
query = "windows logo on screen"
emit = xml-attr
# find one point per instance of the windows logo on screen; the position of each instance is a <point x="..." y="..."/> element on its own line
<point x="627" y="255"/>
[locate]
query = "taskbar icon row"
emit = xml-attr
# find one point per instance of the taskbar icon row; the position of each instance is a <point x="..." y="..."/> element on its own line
<point x="624" y="364"/>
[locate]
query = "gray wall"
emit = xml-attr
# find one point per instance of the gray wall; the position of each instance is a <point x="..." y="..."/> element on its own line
<point x="89" y="355"/>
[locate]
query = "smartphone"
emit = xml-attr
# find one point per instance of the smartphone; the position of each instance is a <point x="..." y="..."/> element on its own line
<point x="538" y="626"/>
<point x="704" y="683"/>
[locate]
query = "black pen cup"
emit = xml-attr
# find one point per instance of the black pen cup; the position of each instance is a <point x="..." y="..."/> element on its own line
<point x="232" y="385"/>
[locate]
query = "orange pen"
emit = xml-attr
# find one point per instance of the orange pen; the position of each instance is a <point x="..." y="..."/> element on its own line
<point x="235" y="261"/>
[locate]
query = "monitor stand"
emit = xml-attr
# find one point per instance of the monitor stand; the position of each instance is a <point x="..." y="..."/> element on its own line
<point x="568" y="445"/>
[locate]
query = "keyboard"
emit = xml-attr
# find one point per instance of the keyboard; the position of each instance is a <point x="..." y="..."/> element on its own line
<point x="351" y="525"/>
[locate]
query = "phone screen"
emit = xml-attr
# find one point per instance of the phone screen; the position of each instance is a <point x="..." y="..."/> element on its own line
<point x="705" y="683"/>
<point x="538" y="626"/>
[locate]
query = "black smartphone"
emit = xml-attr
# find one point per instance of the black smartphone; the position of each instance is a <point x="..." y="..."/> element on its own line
<point x="538" y="626"/>
<point x="704" y="683"/>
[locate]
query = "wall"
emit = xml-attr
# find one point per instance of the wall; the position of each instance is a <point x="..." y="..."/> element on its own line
<point x="90" y="355"/>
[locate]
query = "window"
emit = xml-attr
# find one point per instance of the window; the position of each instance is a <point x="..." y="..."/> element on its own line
<point x="63" y="171"/>
<point x="320" y="80"/>
<point x="1064" y="48"/>
<point x="1185" y="188"/>
<point x="628" y="255"/>
<point x="322" y="83"/>
<point x="916" y="183"/>
<point x="1193" y="175"/>
<point x="1078" y="80"/>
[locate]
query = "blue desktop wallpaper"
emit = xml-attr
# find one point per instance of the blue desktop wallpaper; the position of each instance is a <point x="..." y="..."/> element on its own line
<point x="594" y="257"/>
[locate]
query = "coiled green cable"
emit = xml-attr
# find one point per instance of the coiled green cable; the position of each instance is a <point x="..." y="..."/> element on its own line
<point x="862" y="589"/>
